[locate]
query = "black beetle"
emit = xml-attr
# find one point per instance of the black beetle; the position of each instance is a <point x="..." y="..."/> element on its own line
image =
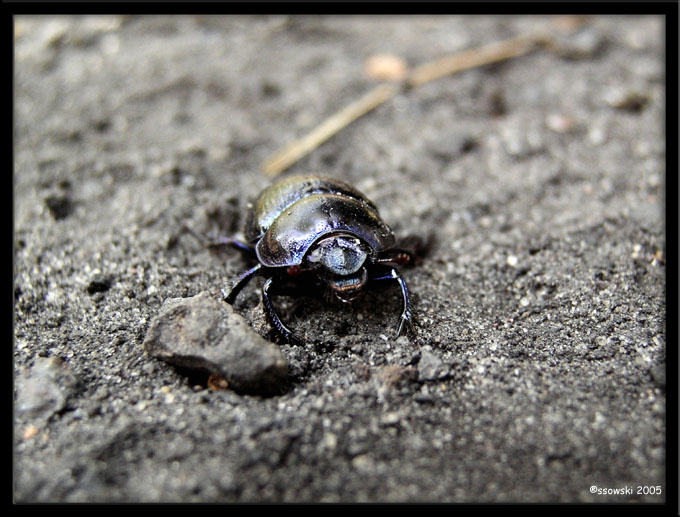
<point x="318" y="232"/>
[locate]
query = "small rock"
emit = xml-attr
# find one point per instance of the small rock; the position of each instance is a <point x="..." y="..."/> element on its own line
<point x="497" y="105"/>
<point x="363" y="462"/>
<point x="430" y="367"/>
<point x="626" y="100"/>
<point x="559" y="123"/>
<point x="60" y="206"/>
<point x="386" y="67"/>
<point x="200" y="333"/>
<point x="29" y="432"/>
<point x="45" y="388"/>
<point x="522" y="142"/>
<point x="99" y="284"/>
<point x="390" y="419"/>
<point x="581" y="349"/>
<point x="216" y="382"/>
<point x="424" y="398"/>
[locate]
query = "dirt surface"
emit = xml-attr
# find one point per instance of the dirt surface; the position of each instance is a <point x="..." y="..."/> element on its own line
<point x="537" y="372"/>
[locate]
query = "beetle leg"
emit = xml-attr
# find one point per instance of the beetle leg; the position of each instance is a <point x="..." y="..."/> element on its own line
<point x="395" y="256"/>
<point x="221" y="241"/>
<point x="283" y="331"/>
<point x="410" y="249"/>
<point x="241" y="283"/>
<point x="234" y="243"/>
<point x="406" y="319"/>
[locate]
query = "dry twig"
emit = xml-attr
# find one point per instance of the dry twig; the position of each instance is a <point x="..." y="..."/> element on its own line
<point x="288" y="156"/>
<point x="480" y="56"/>
<point x="472" y="58"/>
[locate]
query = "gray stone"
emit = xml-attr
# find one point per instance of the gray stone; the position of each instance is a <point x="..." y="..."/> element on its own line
<point x="430" y="366"/>
<point x="201" y="333"/>
<point x="44" y="389"/>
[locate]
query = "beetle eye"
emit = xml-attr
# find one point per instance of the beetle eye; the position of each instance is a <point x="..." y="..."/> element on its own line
<point x="339" y="255"/>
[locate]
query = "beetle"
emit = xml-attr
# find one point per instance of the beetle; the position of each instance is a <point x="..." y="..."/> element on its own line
<point x="318" y="233"/>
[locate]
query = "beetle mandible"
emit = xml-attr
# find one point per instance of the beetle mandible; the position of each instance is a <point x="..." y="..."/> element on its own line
<point x="320" y="232"/>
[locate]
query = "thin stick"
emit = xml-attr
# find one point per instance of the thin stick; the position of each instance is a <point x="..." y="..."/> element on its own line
<point x="487" y="54"/>
<point x="480" y="56"/>
<point x="288" y="156"/>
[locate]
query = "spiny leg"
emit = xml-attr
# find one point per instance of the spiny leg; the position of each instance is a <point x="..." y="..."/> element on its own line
<point x="395" y="256"/>
<point x="241" y="283"/>
<point x="390" y="273"/>
<point x="234" y="243"/>
<point x="283" y="331"/>
<point x="410" y="250"/>
<point x="221" y="241"/>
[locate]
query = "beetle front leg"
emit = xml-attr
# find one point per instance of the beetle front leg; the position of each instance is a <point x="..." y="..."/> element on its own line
<point x="406" y="319"/>
<point x="283" y="331"/>
<point x="241" y="283"/>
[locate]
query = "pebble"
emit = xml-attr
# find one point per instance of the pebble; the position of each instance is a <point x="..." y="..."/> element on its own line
<point x="99" y="283"/>
<point x="44" y="389"/>
<point x="430" y="366"/>
<point x="521" y="142"/>
<point x="559" y="123"/>
<point x="59" y="205"/>
<point x="203" y="334"/>
<point x="597" y="135"/>
<point x="29" y="432"/>
<point x="626" y="99"/>
<point x="386" y="67"/>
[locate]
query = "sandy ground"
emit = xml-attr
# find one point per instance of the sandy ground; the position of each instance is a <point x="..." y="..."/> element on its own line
<point x="537" y="372"/>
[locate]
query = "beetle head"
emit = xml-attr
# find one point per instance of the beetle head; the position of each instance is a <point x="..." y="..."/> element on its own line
<point x="341" y="259"/>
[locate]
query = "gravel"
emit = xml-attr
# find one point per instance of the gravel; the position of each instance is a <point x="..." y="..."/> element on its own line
<point x="537" y="372"/>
